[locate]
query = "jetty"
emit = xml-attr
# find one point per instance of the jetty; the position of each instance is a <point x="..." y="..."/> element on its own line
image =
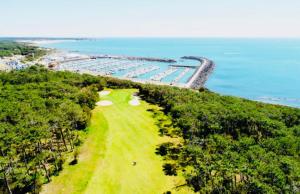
<point x="151" y="59"/>
<point x="201" y="74"/>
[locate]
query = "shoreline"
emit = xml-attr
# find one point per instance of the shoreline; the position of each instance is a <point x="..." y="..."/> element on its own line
<point x="283" y="101"/>
<point x="42" y="42"/>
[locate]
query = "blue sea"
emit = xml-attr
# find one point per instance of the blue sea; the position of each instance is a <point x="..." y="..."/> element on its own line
<point x="265" y="70"/>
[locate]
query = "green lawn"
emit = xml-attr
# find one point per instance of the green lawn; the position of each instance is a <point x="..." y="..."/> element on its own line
<point x="118" y="135"/>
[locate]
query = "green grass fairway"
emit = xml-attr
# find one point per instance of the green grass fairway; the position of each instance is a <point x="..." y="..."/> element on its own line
<point x="118" y="135"/>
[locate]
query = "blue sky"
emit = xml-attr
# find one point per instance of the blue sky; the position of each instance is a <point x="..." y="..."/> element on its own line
<point x="150" y="18"/>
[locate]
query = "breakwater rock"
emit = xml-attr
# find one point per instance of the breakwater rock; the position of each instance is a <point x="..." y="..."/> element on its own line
<point x="201" y="74"/>
<point x="135" y="58"/>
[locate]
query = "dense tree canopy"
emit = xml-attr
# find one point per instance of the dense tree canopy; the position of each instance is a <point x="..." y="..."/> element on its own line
<point x="42" y="115"/>
<point x="10" y="48"/>
<point x="231" y="145"/>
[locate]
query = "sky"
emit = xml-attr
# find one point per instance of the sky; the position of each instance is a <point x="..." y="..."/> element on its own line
<point x="150" y="18"/>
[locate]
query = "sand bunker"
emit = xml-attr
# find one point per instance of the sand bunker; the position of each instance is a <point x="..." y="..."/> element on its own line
<point x="135" y="101"/>
<point x="104" y="93"/>
<point x="104" y="103"/>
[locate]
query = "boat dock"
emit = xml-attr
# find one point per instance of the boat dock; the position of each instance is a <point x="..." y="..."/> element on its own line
<point x="127" y="66"/>
<point x="162" y="75"/>
<point x="180" y="76"/>
<point x="141" y="71"/>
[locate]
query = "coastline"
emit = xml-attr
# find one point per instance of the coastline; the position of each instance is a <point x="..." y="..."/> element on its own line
<point x="236" y="75"/>
<point x="41" y="42"/>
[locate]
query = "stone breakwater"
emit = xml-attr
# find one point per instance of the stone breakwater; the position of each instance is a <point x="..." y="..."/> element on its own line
<point x="202" y="72"/>
<point x="134" y="58"/>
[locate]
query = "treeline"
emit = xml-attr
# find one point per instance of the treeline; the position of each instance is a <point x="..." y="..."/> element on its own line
<point x="10" y="48"/>
<point x="232" y="145"/>
<point x="42" y="116"/>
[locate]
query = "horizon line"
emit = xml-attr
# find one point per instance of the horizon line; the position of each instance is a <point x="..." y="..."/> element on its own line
<point x="165" y="37"/>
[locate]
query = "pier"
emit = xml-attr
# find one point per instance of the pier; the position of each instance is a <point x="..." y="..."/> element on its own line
<point x="150" y="59"/>
<point x="164" y="74"/>
<point x="127" y="66"/>
<point x="186" y="66"/>
<point x="141" y="71"/>
<point x="180" y="76"/>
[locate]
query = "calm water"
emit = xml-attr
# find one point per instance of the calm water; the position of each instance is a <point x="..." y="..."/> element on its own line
<point x="258" y="69"/>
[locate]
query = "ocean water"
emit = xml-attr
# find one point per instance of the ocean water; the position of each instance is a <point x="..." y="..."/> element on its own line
<point x="258" y="69"/>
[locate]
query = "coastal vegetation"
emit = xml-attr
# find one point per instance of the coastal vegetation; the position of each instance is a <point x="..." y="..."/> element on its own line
<point x="43" y="116"/>
<point x="209" y="142"/>
<point x="232" y="145"/>
<point x="10" y="48"/>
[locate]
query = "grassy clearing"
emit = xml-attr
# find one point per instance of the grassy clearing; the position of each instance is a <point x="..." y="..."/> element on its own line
<point x="119" y="135"/>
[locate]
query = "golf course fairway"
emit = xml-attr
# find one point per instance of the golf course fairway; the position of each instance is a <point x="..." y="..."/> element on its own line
<point x="118" y="154"/>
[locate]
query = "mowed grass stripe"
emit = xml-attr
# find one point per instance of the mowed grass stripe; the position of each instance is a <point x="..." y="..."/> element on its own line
<point x="128" y="134"/>
<point x="130" y="138"/>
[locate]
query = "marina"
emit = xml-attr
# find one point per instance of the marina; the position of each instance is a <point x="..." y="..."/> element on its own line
<point x="166" y="71"/>
<point x="191" y="72"/>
